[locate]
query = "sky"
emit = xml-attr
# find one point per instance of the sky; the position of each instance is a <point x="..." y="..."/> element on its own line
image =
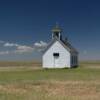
<point x="25" y="27"/>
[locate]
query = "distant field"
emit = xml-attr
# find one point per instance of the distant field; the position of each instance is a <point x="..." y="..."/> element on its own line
<point x="19" y="64"/>
<point x="28" y="81"/>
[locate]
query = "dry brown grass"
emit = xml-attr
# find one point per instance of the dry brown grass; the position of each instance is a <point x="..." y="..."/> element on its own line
<point x="75" y="89"/>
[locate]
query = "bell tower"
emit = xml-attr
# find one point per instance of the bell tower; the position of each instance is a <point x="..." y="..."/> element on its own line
<point x="56" y="32"/>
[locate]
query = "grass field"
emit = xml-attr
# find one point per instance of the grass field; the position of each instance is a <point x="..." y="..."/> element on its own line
<point x="28" y="81"/>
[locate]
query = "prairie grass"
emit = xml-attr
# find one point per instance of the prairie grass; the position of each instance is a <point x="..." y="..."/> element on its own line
<point x="34" y="83"/>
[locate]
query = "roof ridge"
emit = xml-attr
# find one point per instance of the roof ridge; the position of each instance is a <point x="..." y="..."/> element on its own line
<point x="66" y="45"/>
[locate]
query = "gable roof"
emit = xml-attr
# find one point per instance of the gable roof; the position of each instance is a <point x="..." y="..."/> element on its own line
<point x="66" y="45"/>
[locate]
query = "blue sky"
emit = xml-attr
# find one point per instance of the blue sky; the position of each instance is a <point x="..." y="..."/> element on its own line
<point x="25" y="27"/>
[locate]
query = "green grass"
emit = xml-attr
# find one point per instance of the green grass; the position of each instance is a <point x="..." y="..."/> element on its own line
<point x="34" y="83"/>
<point x="50" y="74"/>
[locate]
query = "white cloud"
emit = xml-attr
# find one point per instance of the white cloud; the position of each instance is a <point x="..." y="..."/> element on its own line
<point x="4" y="52"/>
<point x="19" y="49"/>
<point x="10" y="44"/>
<point x="24" y="49"/>
<point x="39" y="46"/>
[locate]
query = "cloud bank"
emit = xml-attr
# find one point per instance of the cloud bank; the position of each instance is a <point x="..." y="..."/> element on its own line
<point x="21" y="49"/>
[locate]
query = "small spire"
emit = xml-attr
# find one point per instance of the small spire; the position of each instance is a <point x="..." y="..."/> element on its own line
<point x="57" y="24"/>
<point x="56" y="32"/>
<point x="57" y="28"/>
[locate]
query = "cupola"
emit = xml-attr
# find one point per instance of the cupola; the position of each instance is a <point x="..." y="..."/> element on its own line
<point x="56" y="32"/>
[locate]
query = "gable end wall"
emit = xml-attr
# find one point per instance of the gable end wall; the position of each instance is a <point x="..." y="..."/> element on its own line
<point x="64" y="56"/>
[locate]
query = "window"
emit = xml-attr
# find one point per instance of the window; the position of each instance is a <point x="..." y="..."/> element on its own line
<point x="56" y="54"/>
<point x="76" y="59"/>
<point x="72" y="59"/>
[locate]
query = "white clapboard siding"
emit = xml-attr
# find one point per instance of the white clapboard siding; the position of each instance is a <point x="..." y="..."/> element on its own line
<point x="63" y="61"/>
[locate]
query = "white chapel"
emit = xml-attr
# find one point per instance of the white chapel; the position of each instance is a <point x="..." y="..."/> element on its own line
<point x="59" y="53"/>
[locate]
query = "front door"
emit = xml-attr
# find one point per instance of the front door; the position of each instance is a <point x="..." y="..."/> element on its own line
<point x="56" y="60"/>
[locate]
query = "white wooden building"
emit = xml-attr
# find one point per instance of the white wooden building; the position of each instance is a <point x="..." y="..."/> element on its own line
<point x="59" y="53"/>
